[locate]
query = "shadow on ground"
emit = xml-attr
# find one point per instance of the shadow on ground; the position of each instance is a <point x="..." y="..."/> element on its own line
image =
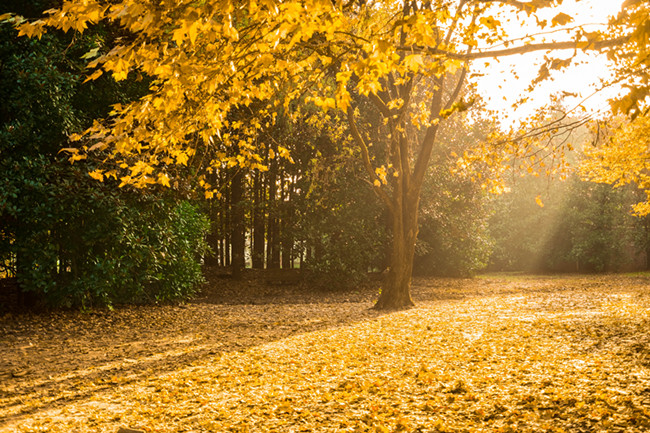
<point x="55" y="358"/>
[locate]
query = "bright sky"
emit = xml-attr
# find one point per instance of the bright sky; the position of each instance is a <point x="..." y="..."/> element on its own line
<point x="499" y="82"/>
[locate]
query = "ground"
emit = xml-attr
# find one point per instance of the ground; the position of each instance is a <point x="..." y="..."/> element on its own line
<point x="496" y="353"/>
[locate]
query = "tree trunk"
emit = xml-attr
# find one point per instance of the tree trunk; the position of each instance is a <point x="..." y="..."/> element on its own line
<point x="227" y="229"/>
<point x="647" y="243"/>
<point x="213" y="239"/>
<point x="273" y="240"/>
<point x="396" y="288"/>
<point x="285" y="227"/>
<point x="237" y="224"/>
<point x="258" y="222"/>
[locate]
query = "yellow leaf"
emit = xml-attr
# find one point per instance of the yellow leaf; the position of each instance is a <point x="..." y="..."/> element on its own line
<point x="26" y="29"/>
<point x="561" y="19"/>
<point x="77" y="157"/>
<point x="163" y="179"/>
<point x="97" y="175"/>
<point x="101" y="146"/>
<point x="178" y="36"/>
<point x="414" y="62"/>
<point x="94" y="75"/>
<point x="90" y="54"/>
<point x="182" y="158"/>
<point x="193" y="30"/>
<point x="539" y="202"/>
<point x="490" y="22"/>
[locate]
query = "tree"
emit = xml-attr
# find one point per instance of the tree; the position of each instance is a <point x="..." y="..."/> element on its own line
<point x="623" y="157"/>
<point x="409" y="58"/>
<point x="67" y="239"/>
<point x="582" y="227"/>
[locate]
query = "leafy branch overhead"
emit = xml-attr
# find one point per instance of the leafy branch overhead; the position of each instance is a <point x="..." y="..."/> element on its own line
<point x="205" y="60"/>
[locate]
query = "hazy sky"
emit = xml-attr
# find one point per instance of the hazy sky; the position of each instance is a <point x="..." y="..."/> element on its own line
<point x="499" y="82"/>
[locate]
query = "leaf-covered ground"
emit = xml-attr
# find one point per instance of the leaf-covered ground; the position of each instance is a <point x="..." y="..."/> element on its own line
<point x="494" y="354"/>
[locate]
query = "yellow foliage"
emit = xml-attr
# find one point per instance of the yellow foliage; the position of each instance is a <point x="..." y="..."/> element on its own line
<point x="622" y="159"/>
<point x="208" y="59"/>
<point x="97" y="175"/>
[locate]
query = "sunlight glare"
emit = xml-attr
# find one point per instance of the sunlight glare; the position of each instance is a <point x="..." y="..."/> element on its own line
<point x="505" y="81"/>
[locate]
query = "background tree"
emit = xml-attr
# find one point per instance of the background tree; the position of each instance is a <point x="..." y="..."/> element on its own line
<point x="453" y="237"/>
<point x="622" y="154"/>
<point x="575" y="225"/>
<point x="68" y="239"/>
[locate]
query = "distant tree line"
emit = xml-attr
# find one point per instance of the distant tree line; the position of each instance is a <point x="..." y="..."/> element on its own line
<point x="582" y="227"/>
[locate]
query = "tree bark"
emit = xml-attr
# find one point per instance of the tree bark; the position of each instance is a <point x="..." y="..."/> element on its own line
<point x="237" y="224"/>
<point x="647" y="243"/>
<point x="227" y="229"/>
<point x="285" y="227"/>
<point x="396" y="288"/>
<point x="213" y="238"/>
<point x="273" y="240"/>
<point x="258" y="222"/>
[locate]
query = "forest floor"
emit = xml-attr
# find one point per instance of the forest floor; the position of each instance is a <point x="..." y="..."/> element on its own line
<point x="492" y="354"/>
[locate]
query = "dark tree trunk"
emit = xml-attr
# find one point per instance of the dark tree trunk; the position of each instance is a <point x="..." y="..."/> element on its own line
<point x="273" y="261"/>
<point x="287" y="235"/>
<point x="647" y="243"/>
<point x="213" y="238"/>
<point x="273" y="241"/>
<point x="258" y="239"/>
<point x="227" y="229"/>
<point x="237" y="224"/>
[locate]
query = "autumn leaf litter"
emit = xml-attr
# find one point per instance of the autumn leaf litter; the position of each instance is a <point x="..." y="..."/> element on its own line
<point x="497" y="354"/>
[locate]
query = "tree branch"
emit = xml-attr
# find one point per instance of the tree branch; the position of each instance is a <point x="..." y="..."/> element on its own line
<point x="457" y="89"/>
<point x="380" y="104"/>
<point x="422" y="162"/>
<point x="519" y="5"/>
<point x="563" y="45"/>
<point x="366" y="159"/>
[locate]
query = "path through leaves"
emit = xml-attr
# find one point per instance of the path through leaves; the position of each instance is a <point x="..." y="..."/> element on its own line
<point x="497" y="354"/>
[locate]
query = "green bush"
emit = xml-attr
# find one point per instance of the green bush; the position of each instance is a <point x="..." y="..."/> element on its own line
<point x="340" y="221"/>
<point x="77" y="242"/>
<point x="453" y="240"/>
<point x="70" y="240"/>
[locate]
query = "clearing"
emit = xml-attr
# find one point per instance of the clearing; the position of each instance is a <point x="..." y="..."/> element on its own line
<point x="496" y="353"/>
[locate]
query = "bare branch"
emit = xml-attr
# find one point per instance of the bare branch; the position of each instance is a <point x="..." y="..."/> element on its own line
<point x="519" y="5"/>
<point x="523" y="49"/>
<point x="422" y="161"/>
